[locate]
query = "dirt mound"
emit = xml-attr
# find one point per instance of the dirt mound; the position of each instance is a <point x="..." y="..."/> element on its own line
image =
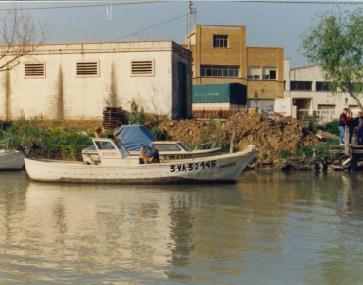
<point x="271" y="136"/>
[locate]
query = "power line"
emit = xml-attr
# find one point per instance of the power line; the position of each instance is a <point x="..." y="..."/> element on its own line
<point x="253" y="1"/>
<point x="80" y="6"/>
<point x="103" y="3"/>
<point x="319" y="2"/>
<point x="151" y="27"/>
<point x="322" y="2"/>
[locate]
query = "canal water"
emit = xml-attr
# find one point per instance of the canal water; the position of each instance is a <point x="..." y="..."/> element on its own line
<point x="269" y="228"/>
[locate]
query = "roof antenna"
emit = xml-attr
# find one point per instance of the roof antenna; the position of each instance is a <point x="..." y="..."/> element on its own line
<point x="109" y="13"/>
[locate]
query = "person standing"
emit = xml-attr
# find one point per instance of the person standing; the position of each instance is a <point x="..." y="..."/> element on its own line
<point x="342" y="124"/>
<point x="99" y="132"/>
<point x="359" y="128"/>
<point x="351" y="124"/>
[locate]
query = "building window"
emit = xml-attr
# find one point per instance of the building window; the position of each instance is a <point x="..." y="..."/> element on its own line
<point x="261" y="73"/>
<point x="220" y="41"/>
<point x="264" y="105"/>
<point x="86" y="69"/>
<point x="254" y="73"/>
<point x="269" y="73"/>
<point x="300" y="85"/>
<point x="219" y="71"/>
<point x="141" y="68"/>
<point x="323" y="86"/>
<point x="326" y="107"/>
<point x="34" y="70"/>
<point x="326" y="112"/>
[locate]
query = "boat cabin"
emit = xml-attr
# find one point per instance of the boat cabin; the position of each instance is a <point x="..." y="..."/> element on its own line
<point x="107" y="149"/>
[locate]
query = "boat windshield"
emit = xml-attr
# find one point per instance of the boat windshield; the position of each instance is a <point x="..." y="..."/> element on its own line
<point x="104" y="145"/>
<point x="183" y="146"/>
<point x="108" y="145"/>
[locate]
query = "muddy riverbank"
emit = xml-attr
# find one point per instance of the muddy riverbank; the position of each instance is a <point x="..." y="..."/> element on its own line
<point x="279" y="141"/>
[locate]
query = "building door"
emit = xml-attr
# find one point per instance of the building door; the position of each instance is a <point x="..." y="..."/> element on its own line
<point x="182" y="100"/>
<point x="303" y="107"/>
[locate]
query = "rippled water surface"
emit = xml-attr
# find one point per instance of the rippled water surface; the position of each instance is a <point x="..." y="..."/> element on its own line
<point x="270" y="228"/>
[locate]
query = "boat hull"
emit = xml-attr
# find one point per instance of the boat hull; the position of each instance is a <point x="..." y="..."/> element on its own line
<point x="219" y="168"/>
<point x="11" y="160"/>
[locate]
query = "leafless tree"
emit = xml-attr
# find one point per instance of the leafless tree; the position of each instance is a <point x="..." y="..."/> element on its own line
<point x="20" y="35"/>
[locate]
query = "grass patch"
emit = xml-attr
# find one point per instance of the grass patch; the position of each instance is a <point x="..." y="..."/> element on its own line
<point x="306" y="151"/>
<point x="324" y="149"/>
<point x="55" y="142"/>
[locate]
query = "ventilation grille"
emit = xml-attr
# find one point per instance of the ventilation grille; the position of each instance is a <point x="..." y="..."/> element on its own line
<point x="34" y="69"/>
<point x="142" y="67"/>
<point x="87" y="68"/>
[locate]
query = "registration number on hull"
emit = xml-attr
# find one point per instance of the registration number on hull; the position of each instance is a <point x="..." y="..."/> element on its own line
<point x="193" y="166"/>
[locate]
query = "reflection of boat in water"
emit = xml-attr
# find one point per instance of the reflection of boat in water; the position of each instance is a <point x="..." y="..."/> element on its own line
<point x="105" y="221"/>
<point x="115" y="166"/>
<point x="11" y="159"/>
<point x="110" y="226"/>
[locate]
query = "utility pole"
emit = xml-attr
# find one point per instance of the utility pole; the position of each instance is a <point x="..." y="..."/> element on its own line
<point x="191" y="11"/>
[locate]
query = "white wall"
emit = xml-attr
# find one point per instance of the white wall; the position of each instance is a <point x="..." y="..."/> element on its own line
<point x="283" y="106"/>
<point x="85" y="97"/>
<point x="314" y="73"/>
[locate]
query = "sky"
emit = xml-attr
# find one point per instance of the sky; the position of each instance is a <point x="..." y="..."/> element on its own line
<point x="267" y="24"/>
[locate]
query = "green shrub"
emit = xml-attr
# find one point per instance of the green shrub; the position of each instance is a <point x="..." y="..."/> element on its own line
<point x="4" y="125"/>
<point x="137" y="116"/>
<point x="225" y="146"/>
<point x="323" y="149"/>
<point x="305" y="151"/>
<point x="159" y="134"/>
<point x="331" y="127"/>
<point x="216" y="134"/>
<point x="284" y="154"/>
<point x="55" y="142"/>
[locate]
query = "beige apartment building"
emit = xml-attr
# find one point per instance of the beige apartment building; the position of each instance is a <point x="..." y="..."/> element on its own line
<point x="221" y="55"/>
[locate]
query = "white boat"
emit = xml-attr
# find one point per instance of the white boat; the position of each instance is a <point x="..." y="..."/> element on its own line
<point x="115" y="166"/>
<point x="11" y="159"/>
<point x="134" y="137"/>
<point x="168" y="150"/>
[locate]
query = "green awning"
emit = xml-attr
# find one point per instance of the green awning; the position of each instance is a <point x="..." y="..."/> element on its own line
<point x="234" y="93"/>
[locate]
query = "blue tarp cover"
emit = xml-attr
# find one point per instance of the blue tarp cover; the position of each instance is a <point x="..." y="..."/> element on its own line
<point x="133" y="137"/>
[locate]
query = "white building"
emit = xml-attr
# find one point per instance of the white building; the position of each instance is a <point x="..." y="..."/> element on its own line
<point x="307" y="94"/>
<point x="76" y="81"/>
